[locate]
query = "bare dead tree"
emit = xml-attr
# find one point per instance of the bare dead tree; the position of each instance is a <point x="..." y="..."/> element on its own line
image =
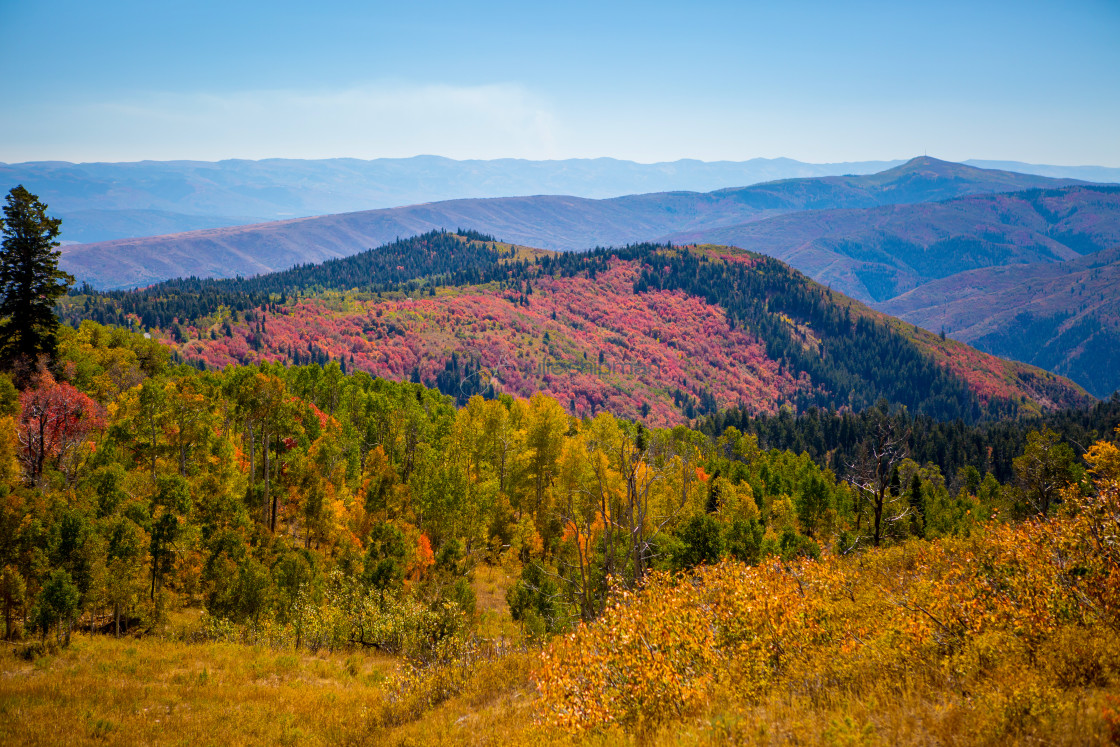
<point x="870" y="475"/>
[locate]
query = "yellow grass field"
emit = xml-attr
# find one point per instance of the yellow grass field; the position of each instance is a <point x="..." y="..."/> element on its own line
<point x="162" y="690"/>
<point x="107" y="691"/>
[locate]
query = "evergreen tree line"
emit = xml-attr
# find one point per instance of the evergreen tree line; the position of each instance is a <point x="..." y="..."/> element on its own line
<point x="419" y="263"/>
<point x="833" y="439"/>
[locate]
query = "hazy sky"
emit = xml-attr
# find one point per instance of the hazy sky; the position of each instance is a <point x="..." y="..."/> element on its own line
<point x="647" y="81"/>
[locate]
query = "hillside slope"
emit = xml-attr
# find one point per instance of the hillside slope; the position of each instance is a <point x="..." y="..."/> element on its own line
<point x="877" y="254"/>
<point x="551" y="222"/>
<point x="1063" y="317"/>
<point x="647" y="331"/>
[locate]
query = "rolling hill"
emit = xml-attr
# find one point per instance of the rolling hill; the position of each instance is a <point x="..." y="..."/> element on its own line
<point x="648" y="331"/>
<point x="1064" y="317"/>
<point x="879" y="253"/>
<point x="551" y="222"/>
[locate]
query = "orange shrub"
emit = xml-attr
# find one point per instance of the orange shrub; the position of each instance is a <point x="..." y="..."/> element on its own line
<point x="1015" y="598"/>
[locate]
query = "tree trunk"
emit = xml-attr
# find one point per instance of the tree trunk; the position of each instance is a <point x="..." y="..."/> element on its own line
<point x="41" y="456"/>
<point x="252" y="455"/>
<point x="117" y="620"/>
<point x="152" y="425"/>
<point x="270" y="505"/>
<point x="879" y="499"/>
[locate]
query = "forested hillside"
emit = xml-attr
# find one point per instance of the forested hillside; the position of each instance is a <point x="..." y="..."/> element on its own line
<point x="1064" y="317"/>
<point x="310" y="511"/>
<point x="647" y="331"/>
<point x="747" y="483"/>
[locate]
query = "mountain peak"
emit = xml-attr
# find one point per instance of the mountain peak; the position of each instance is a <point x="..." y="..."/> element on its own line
<point x="927" y="161"/>
<point x="935" y="175"/>
<point x="927" y="164"/>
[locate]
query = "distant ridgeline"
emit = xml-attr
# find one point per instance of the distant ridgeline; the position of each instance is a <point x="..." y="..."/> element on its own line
<point x="430" y="260"/>
<point x="832" y="352"/>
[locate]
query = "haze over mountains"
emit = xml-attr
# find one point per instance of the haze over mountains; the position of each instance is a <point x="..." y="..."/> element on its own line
<point x="551" y="222"/>
<point x="876" y="254"/>
<point x="106" y="201"/>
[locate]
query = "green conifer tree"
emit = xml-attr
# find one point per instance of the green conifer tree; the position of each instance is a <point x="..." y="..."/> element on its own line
<point x="30" y="281"/>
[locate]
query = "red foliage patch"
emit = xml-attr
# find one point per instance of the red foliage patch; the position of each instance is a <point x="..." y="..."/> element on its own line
<point x="592" y="344"/>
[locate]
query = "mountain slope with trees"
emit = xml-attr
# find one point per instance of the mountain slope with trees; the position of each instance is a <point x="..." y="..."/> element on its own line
<point x="560" y="574"/>
<point x="648" y="331"/>
<point x="1064" y="317"/>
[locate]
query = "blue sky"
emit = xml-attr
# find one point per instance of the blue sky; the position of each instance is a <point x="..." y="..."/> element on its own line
<point x="647" y="81"/>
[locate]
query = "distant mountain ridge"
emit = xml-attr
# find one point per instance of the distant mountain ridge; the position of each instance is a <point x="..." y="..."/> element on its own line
<point x="108" y="201"/>
<point x="876" y="254"/>
<point x="551" y="222"/>
<point x="1064" y="317"/>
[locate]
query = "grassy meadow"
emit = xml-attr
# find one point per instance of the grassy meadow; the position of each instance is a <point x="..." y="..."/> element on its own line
<point x="169" y="688"/>
<point x="165" y="689"/>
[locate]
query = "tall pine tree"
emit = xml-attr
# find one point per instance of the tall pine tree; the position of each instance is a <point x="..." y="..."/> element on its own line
<point x="30" y="281"/>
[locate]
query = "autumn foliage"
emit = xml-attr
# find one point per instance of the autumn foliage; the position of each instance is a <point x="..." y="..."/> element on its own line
<point x="668" y="578"/>
<point x="1016" y="615"/>
<point x="55" y="419"/>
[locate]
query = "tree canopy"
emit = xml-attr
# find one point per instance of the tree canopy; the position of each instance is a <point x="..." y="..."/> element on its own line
<point x="30" y="281"/>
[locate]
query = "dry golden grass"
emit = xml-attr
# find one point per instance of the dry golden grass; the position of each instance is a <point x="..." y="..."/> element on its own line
<point x="995" y="686"/>
<point x="490" y="584"/>
<point x="102" y="690"/>
<point x="159" y="691"/>
<point x="150" y="691"/>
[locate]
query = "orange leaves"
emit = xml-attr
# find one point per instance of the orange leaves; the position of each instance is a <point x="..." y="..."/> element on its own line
<point x="637" y="665"/>
<point x="424" y="556"/>
<point x="661" y="653"/>
<point x="734" y="630"/>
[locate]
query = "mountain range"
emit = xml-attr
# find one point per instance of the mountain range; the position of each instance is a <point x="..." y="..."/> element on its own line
<point x="877" y="238"/>
<point x="879" y="253"/>
<point x="552" y="222"/>
<point x="106" y="201"/>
